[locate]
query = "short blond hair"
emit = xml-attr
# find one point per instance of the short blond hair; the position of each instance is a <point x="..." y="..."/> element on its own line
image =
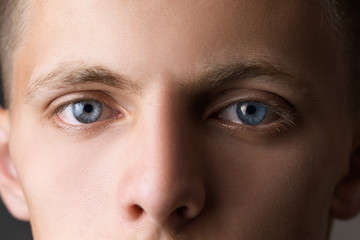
<point x="12" y="28"/>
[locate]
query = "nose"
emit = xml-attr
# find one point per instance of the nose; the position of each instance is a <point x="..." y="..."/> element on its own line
<point x="164" y="183"/>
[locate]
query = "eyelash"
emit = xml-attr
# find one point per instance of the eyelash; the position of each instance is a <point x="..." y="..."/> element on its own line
<point x="97" y="126"/>
<point x="286" y="116"/>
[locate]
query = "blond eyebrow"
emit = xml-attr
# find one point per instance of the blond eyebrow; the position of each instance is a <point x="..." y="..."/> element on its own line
<point x="210" y="77"/>
<point x="67" y="75"/>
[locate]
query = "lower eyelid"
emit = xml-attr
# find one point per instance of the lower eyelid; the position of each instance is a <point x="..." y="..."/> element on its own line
<point x="277" y="128"/>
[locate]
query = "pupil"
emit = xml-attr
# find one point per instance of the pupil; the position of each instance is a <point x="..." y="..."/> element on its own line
<point x="251" y="110"/>
<point x="88" y="108"/>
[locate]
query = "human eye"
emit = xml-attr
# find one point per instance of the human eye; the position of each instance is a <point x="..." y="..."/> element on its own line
<point x="87" y="111"/>
<point x="249" y="113"/>
<point x="255" y="111"/>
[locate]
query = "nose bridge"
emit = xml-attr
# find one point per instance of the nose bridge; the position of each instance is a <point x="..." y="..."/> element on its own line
<point x="164" y="121"/>
<point x="162" y="152"/>
<point x="167" y="183"/>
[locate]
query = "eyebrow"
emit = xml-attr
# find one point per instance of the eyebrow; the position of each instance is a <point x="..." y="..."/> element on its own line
<point x="71" y="74"/>
<point x="215" y="76"/>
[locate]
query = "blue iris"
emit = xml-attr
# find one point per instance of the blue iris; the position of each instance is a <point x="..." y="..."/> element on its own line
<point x="87" y="111"/>
<point x="251" y="113"/>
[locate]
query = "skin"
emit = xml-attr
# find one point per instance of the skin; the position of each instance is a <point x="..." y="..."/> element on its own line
<point x="167" y="161"/>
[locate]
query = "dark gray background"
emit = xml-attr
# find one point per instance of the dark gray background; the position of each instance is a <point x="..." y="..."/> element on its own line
<point x="11" y="229"/>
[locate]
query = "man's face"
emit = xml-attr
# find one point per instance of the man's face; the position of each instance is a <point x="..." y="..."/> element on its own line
<point x="179" y="119"/>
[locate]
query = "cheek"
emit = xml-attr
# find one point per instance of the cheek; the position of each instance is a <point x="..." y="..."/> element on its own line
<point x="286" y="181"/>
<point x="67" y="180"/>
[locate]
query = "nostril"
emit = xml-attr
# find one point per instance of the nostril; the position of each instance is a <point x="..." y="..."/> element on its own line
<point x="186" y="212"/>
<point x="162" y="203"/>
<point x="135" y="212"/>
<point x="182" y="212"/>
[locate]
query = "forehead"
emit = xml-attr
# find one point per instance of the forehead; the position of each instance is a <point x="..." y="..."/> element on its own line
<point x="157" y="23"/>
<point x="162" y="37"/>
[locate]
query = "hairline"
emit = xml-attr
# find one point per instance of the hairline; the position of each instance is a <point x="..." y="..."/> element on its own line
<point x="13" y="15"/>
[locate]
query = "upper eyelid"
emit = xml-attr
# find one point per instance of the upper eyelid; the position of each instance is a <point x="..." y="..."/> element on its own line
<point x="240" y="95"/>
<point x="59" y="105"/>
<point x="99" y="119"/>
<point x="67" y="104"/>
<point x="276" y="109"/>
<point x="276" y="105"/>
